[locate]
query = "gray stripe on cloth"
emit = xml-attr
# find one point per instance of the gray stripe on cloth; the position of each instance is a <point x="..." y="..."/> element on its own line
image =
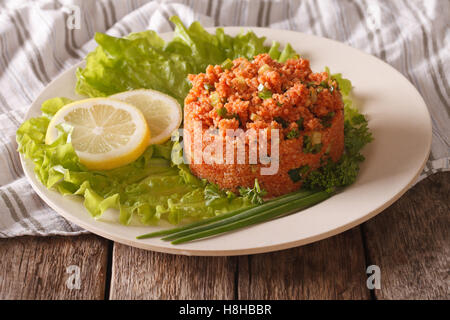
<point x="267" y="17"/>
<point x="5" y="59"/>
<point x="24" y="211"/>
<point x="106" y="21"/>
<point x="370" y="35"/>
<point x="13" y="212"/>
<point x="217" y="13"/>
<point x="261" y="5"/>
<point x="377" y="33"/>
<point x="21" y="42"/>
<point x="67" y="45"/>
<point x="318" y="16"/>
<point x="12" y="164"/>
<point x="34" y="48"/>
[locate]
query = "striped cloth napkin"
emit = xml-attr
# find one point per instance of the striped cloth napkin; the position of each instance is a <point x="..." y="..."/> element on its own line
<point x="36" y="45"/>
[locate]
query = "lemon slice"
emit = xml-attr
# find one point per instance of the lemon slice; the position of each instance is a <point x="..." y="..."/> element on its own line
<point x="106" y="134"/>
<point x="162" y="112"/>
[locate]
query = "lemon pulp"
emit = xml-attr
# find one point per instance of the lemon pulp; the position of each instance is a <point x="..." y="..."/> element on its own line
<point x="106" y="133"/>
<point x="162" y="112"/>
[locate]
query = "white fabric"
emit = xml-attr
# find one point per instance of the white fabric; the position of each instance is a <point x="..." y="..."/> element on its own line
<point x="36" y="45"/>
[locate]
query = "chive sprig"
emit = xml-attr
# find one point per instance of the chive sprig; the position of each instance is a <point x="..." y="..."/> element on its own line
<point x="241" y="218"/>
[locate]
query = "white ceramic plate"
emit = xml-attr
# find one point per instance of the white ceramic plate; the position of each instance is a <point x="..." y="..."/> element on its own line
<point x="398" y="119"/>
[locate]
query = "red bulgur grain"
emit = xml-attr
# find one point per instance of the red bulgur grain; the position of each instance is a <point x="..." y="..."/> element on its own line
<point x="296" y="93"/>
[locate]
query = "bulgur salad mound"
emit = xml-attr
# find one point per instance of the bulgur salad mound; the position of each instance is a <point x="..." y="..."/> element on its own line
<point x="237" y="82"/>
<point x="263" y="94"/>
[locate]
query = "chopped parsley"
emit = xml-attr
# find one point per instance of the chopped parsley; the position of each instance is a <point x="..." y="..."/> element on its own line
<point x="309" y="147"/>
<point x="222" y="112"/>
<point x="227" y="64"/>
<point x="281" y="121"/>
<point x="299" y="123"/>
<point x="324" y="84"/>
<point x="299" y="173"/>
<point x="254" y="195"/>
<point x="326" y="120"/>
<point x="238" y="119"/>
<point x="214" y="98"/>
<point x="215" y="196"/>
<point x="263" y="92"/>
<point x="293" y="134"/>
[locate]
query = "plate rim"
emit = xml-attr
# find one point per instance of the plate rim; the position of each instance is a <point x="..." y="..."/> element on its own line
<point x="232" y="252"/>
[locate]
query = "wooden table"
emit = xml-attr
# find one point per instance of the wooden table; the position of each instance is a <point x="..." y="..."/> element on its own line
<point x="409" y="242"/>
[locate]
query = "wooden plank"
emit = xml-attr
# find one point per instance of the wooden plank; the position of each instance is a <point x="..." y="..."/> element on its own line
<point x="36" y="267"/>
<point x="141" y="274"/>
<point x="410" y="242"/>
<point x="333" y="268"/>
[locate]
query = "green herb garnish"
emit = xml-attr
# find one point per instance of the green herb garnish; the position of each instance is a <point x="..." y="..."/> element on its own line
<point x="253" y="195"/>
<point x="298" y="173"/>
<point x="299" y="123"/>
<point x="309" y="146"/>
<point x="293" y="134"/>
<point x="326" y="120"/>
<point x="281" y="121"/>
<point x="235" y="116"/>
<point x="324" y="84"/>
<point x="263" y="92"/>
<point x="241" y="218"/>
<point x="227" y="64"/>
<point x="316" y="148"/>
<point x="214" y="98"/>
<point x="222" y="112"/>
